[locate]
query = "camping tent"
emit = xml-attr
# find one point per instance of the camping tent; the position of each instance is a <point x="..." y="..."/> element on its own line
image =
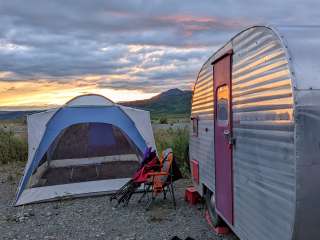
<point x="88" y="146"/>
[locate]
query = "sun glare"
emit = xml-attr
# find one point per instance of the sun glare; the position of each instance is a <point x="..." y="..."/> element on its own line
<point x="46" y="94"/>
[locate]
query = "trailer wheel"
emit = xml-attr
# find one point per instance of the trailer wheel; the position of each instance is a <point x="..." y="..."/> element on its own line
<point x="210" y="204"/>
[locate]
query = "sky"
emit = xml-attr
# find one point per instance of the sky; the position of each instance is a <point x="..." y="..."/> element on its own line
<point x="52" y="51"/>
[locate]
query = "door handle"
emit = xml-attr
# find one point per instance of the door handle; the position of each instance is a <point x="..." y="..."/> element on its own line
<point x="228" y="136"/>
<point x="226" y="132"/>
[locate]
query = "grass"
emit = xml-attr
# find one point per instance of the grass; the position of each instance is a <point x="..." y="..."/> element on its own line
<point x="170" y="118"/>
<point x="12" y="148"/>
<point x="178" y="140"/>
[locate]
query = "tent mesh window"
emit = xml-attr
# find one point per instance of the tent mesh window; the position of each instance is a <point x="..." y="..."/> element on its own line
<point x="87" y="152"/>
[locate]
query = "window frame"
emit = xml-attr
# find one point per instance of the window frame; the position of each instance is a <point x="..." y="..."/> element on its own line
<point x="223" y="122"/>
<point x="195" y="126"/>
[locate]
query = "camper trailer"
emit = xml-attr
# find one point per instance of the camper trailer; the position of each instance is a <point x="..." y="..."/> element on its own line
<point x="255" y="133"/>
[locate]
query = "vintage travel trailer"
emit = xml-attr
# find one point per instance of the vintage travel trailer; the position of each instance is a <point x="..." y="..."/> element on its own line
<point x="255" y="135"/>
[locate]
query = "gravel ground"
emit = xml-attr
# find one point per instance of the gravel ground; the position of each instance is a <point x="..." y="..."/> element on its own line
<point x="96" y="218"/>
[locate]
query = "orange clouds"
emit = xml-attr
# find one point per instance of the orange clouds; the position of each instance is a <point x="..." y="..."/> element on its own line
<point x="191" y="24"/>
<point x="44" y="94"/>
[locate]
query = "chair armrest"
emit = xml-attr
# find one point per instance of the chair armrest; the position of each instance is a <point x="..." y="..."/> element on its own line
<point x="158" y="166"/>
<point x="157" y="174"/>
<point x="155" y="166"/>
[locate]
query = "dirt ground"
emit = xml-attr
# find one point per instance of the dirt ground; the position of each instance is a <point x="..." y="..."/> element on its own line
<point x="96" y="218"/>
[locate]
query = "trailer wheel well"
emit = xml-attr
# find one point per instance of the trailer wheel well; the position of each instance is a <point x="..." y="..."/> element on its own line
<point x="215" y="219"/>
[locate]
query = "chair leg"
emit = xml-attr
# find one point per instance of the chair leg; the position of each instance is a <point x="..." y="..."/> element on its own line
<point x="164" y="194"/>
<point x="121" y="200"/>
<point x="142" y="196"/>
<point x="145" y="192"/>
<point x="128" y="199"/>
<point x="153" y="196"/>
<point x="172" y="194"/>
<point x="150" y="201"/>
<point x="120" y="192"/>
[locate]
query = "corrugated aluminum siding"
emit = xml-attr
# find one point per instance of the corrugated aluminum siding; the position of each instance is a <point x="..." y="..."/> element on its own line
<point x="264" y="163"/>
<point x="263" y="158"/>
<point x="202" y="146"/>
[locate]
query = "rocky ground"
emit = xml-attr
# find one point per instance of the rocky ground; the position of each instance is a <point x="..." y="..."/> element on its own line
<point x="96" y="218"/>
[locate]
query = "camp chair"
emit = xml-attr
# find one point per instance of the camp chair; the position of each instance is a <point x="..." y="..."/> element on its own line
<point x="149" y="163"/>
<point x="161" y="181"/>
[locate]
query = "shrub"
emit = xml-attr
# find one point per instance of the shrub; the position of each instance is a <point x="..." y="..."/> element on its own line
<point x="163" y="120"/>
<point x="12" y="148"/>
<point x="178" y="140"/>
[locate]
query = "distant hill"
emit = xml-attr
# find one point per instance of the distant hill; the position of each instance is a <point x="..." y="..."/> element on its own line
<point x="15" y="115"/>
<point x="174" y="102"/>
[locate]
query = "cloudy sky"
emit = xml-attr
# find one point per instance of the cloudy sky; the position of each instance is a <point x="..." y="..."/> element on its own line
<point x="51" y="51"/>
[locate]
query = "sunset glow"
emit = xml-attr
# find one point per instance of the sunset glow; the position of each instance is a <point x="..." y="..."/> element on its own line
<point x="45" y="94"/>
<point x="122" y="51"/>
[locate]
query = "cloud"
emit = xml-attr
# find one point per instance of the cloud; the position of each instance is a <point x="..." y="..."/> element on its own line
<point x="147" y="45"/>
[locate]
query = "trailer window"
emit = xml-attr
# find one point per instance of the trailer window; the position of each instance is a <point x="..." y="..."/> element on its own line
<point x="194" y="126"/>
<point x="223" y="105"/>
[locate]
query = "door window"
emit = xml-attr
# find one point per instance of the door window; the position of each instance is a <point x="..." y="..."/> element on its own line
<point x="223" y="105"/>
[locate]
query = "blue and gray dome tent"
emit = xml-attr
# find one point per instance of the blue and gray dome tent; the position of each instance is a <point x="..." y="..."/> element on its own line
<point x="88" y="146"/>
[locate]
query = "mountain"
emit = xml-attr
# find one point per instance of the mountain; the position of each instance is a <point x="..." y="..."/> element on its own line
<point x="15" y="115"/>
<point x="172" y="102"/>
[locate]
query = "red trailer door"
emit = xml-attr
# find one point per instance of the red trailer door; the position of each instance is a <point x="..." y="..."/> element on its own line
<point x="223" y="138"/>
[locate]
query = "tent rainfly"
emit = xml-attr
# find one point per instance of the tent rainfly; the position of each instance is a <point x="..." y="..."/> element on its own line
<point x="89" y="146"/>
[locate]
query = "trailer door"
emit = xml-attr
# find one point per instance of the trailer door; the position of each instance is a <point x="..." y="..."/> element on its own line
<point x="223" y="138"/>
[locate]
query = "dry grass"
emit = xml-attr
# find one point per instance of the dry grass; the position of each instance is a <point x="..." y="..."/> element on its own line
<point x="12" y="148"/>
<point x="178" y="140"/>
